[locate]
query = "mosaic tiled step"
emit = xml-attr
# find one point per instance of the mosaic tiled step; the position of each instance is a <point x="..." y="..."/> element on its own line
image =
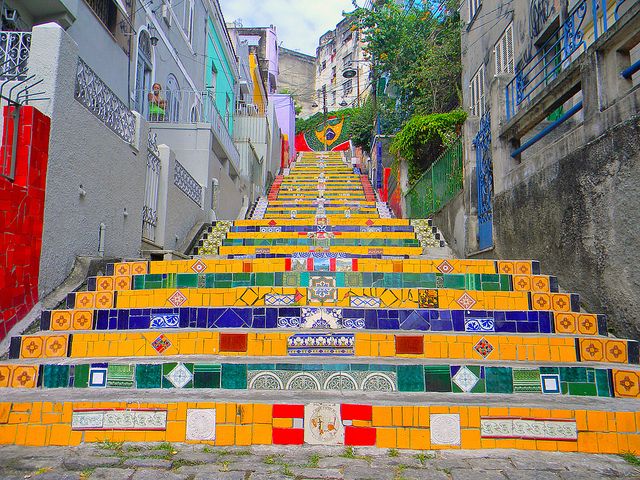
<point x="548" y="380"/>
<point x="470" y="282"/>
<point x="337" y="241"/>
<point x="323" y="263"/>
<point x="337" y="220"/>
<point x="325" y="293"/>
<point x="345" y="249"/>
<point x="313" y="318"/>
<point x="516" y="348"/>
<point x="601" y="429"/>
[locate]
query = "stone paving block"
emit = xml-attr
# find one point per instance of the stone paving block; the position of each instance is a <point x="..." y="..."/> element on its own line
<point x="103" y="473"/>
<point x="148" y="463"/>
<point x="458" y="474"/>
<point x="155" y="475"/>
<point x="490" y="463"/>
<point x="57" y="476"/>
<point x="367" y="473"/>
<point x="84" y="462"/>
<point x="221" y="476"/>
<point x="337" y="462"/>
<point x="316" y="472"/>
<point x="530" y="475"/>
<point x="422" y="474"/>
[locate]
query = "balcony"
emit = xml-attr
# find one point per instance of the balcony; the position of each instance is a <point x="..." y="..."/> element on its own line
<point x="189" y="107"/>
<point x="14" y="54"/>
<point x="585" y="23"/>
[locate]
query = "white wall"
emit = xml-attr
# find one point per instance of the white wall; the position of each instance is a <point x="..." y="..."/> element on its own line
<point x="82" y="151"/>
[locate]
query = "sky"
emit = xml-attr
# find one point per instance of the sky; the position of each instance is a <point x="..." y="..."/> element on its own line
<point x="299" y="23"/>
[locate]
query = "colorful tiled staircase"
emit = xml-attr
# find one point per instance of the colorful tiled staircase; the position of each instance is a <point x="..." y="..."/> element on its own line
<point x="319" y="320"/>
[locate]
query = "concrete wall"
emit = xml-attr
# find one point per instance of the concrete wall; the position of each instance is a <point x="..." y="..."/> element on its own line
<point x="192" y="146"/>
<point x="82" y="151"/>
<point x="297" y="76"/>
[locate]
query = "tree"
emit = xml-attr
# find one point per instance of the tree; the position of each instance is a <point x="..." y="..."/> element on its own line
<point x="418" y="50"/>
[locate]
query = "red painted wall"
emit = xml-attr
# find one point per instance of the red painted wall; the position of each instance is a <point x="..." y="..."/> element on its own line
<point x="21" y="214"/>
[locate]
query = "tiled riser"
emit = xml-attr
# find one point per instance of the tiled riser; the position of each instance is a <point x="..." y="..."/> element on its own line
<point x="307" y="242"/>
<point x="351" y="279"/>
<point x="329" y="229"/>
<point x="323" y="318"/>
<point x="414" y="427"/>
<point x="577" y="381"/>
<point x="325" y="294"/>
<point x="529" y="348"/>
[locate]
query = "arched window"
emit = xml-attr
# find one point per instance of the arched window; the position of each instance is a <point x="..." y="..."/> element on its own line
<point x="144" y="67"/>
<point x="174" y="97"/>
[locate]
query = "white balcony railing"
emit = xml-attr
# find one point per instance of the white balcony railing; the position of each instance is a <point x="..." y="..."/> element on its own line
<point x="187" y="106"/>
<point x="14" y="53"/>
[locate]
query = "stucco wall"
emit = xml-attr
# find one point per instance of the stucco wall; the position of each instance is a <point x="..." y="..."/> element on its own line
<point x="82" y="151"/>
<point x="297" y="76"/>
<point x="582" y="221"/>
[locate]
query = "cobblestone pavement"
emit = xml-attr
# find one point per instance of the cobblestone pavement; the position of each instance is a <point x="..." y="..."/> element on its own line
<point x="113" y="461"/>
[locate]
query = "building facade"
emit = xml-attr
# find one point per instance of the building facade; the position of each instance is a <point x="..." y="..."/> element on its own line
<point x="342" y="72"/>
<point x="297" y="77"/>
<point x="551" y="89"/>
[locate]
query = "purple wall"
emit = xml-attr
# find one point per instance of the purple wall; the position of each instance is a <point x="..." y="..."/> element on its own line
<point x="286" y="115"/>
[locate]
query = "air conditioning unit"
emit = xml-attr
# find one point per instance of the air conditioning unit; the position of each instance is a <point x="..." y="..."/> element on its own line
<point x="165" y="12"/>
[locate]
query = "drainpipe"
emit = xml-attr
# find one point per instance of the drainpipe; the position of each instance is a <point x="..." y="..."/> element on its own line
<point x="103" y="227"/>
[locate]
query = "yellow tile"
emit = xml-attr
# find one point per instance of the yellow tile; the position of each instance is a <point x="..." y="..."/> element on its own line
<point x="262" y="434"/>
<point x="381" y="416"/>
<point x="386" y="438"/>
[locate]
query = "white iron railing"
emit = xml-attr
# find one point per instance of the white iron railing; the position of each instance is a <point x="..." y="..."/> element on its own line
<point x="152" y="182"/>
<point x="188" y="106"/>
<point x="187" y="184"/>
<point x="14" y="53"/>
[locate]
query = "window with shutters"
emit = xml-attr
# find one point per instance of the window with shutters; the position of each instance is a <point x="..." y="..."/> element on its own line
<point x="477" y="93"/>
<point x="503" y="52"/>
<point x="474" y="6"/>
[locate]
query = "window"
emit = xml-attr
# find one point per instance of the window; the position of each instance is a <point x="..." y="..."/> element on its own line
<point x="477" y="93"/>
<point x="347" y="87"/>
<point x="214" y="78"/>
<point x="333" y="98"/>
<point x="187" y="19"/>
<point x="474" y="5"/>
<point x="144" y="66"/>
<point x="346" y="60"/>
<point x="503" y="52"/>
<point x="174" y="97"/>
<point x="106" y="11"/>
<point x="334" y="74"/>
<point x="324" y="65"/>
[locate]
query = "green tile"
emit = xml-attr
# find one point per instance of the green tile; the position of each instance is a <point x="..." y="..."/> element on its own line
<point x="526" y="380"/>
<point x="81" y="376"/>
<point x="489" y="278"/>
<point x="498" y="379"/>
<point x="264" y="280"/>
<point x="410" y="378"/>
<point x="149" y="375"/>
<point x="454" y="281"/>
<point x="573" y="374"/>
<point x="234" y="376"/>
<point x="602" y="383"/>
<point x="206" y="375"/>
<point x="138" y="282"/>
<point x="584" y="389"/>
<point x="505" y="283"/>
<point x="479" y="387"/>
<point x="548" y="370"/>
<point x="55" y="376"/>
<point x="120" y="376"/>
<point x="437" y="378"/>
<point x="187" y="280"/>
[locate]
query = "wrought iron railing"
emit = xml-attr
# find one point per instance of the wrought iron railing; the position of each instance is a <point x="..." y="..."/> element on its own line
<point x="562" y="48"/>
<point x="14" y="53"/>
<point x="250" y="109"/>
<point x="152" y="183"/>
<point x="100" y="100"/>
<point x="189" y="185"/>
<point x="440" y="183"/>
<point x="188" y="106"/>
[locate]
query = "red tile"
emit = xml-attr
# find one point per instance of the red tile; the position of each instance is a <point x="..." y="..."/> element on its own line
<point x="359" y="436"/>
<point x="287" y="264"/>
<point x="233" y="342"/>
<point x="409" y="344"/>
<point x="354" y="264"/>
<point x="288" y="411"/>
<point x="247" y="267"/>
<point x="332" y="264"/>
<point x="310" y="264"/>
<point x="355" y="412"/>
<point x="288" y="436"/>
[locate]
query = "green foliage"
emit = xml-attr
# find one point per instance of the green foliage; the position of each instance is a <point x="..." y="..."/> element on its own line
<point x="316" y="120"/>
<point x="361" y="124"/>
<point x="631" y="458"/>
<point x="417" y="49"/>
<point x="424" y="137"/>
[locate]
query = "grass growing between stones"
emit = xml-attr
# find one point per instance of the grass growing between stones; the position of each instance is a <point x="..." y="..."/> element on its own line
<point x="423" y="457"/>
<point x="393" y="452"/>
<point x="398" y="472"/>
<point x="86" y="473"/>
<point x="631" y="458"/>
<point x="109" y="445"/>
<point x="350" y="452"/>
<point x="181" y="462"/>
<point x="313" y="461"/>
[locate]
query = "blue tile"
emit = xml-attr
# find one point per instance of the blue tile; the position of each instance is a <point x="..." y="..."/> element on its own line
<point x="506" y="327"/>
<point x="441" y="326"/>
<point x="230" y="319"/>
<point x="517" y="316"/>
<point x="138" y="322"/>
<point x="415" y="321"/>
<point x="388" y="324"/>
<point x="102" y="321"/>
<point x="258" y="321"/>
<point x="527" y="327"/>
<point x="271" y="320"/>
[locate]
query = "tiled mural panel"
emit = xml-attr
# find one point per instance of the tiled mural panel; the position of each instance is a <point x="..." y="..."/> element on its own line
<point x="414" y="427"/>
<point x="21" y="212"/>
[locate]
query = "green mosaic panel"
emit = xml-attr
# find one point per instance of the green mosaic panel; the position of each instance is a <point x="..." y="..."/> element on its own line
<point x="234" y="376"/>
<point x="411" y="378"/>
<point x="120" y="376"/>
<point x="55" y="376"/>
<point x="81" y="376"/>
<point x="149" y="376"/>
<point x="498" y="379"/>
<point x="437" y="378"/>
<point x="526" y="380"/>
